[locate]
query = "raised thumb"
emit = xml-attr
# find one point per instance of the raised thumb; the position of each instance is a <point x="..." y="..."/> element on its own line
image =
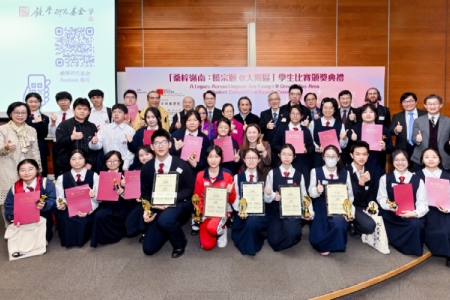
<point x="398" y="124"/>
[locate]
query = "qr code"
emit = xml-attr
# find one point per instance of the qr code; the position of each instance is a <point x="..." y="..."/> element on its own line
<point x="74" y="47"/>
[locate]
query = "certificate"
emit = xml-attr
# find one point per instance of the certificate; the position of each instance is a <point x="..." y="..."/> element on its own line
<point x="404" y="197"/>
<point x="253" y="194"/>
<point x="329" y="137"/>
<point x="336" y="194"/>
<point x="226" y="144"/>
<point x="216" y="200"/>
<point x="78" y="200"/>
<point x="291" y="201"/>
<point x="372" y="134"/>
<point x="295" y="138"/>
<point x="25" y="210"/>
<point x="165" y="189"/>
<point x="437" y="191"/>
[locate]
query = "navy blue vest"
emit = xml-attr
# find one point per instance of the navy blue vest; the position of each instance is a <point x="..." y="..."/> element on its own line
<point x="444" y="175"/>
<point x="279" y="179"/>
<point x="69" y="182"/>
<point x="320" y="175"/>
<point x="390" y="179"/>
<point x="318" y="127"/>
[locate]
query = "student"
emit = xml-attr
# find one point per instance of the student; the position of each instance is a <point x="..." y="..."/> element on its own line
<point x="237" y="129"/>
<point x="129" y="99"/>
<point x="109" y="219"/>
<point x="207" y="127"/>
<point x="405" y="231"/>
<point x="253" y="140"/>
<point x="100" y="115"/>
<point x="213" y="229"/>
<point x="224" y="130"/>
<point x="248" y="233"/>
<point x="165" y="222"/>
<point x="329" y="234"/>
<point x="30" y="181"/>
<point x="76" y="231"/>
<point x="114" y="136"/>
<point x="283" y="233"/>
<point x="364" y="189"/>
<point x="153" y="121"/>
<point x="245" y="115"/>
<point x="191" y="127"/>
<point x="153" y="100"/>
<point x="75" y="133"/>
<point x="295" y="95"/>
<point x="214" y="114"/>
<point x="143" y="155"/>
<point x="437" y="220"/>
<point x="40" y="122"/>
<point x="188" y="104"/>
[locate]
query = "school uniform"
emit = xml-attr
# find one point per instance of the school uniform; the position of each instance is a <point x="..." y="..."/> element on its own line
<point x="42" y="133"/>
<point x="321" y="125"/>
<point x="248" y="234"/>
<point x="283" y="233"/>
<point x="404" y="234"/>
<point x="437" y="223"/>
<point x="264" y="165"/>
<point x="232" y="166"/>
<point x="328" y="233"/>
<point x="237" y="133"/>
<point x="134" y="223"/>
<point x="75" y="231"/>
<point x="168" y="223"/>
<point x="344" y="118"/>
<point x="60" y="117"/>
<point x="137" y="142"/>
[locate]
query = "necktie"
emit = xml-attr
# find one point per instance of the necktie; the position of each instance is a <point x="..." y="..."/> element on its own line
<point x="78" y="177"/>
<point x="331" y="176"/>
<point x="295" y="129"/>
<point x="410" y="128"/>
<point x="30" y="188"/>
<point x="210" y="116"/>
<point x="275" y="119"/>
<point x="344" y="116"/>
<point x="64" y="117"/>
<point x="286" y="174"/>
<point x="251" y="177"/>
<point x="312" y="115"/>
<point x="161" y="171"/>
<point x="31" y="115"/>
<point x="432" y="121"/>
<point x="402" y="179"/>
<point x="327" y="123"/>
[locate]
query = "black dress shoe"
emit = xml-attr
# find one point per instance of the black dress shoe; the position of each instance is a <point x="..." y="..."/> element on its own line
<point x="141" y="239"/>
<point x="178" y="252"/>
<point x="448" y="262"/>
<point x="353" y="233"/>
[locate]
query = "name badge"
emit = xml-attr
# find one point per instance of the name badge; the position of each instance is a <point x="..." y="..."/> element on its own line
<point x="235" y="131"/>
<point x="381" y="118"/>
<point x="324" y="182"/>
<point x="206" y="183"/>
<point x="290" y="181"/>
<point x="179" y="170"/>
<point x="394" y="184"/>
<point x="283" y="120"/>
<point x="367" y="188"/>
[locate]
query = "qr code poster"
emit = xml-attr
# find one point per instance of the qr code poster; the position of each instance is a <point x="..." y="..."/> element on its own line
<point x="74" y="47"/>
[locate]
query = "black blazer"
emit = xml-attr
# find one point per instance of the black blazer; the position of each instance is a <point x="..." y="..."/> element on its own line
<point x="384" y="116"/>
<point x="285" y="108"/>
<point x="217" y="114"/>
<point x="348" y="123"/>
<point x="266" y="117"/>
<point x="172" y="128"/>
<point x="250" y="119"/>
<point x="402" y="138"/>
<point x="363" y="194"/>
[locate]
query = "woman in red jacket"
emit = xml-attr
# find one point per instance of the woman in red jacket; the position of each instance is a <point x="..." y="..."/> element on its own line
<point x="213" y="230"/>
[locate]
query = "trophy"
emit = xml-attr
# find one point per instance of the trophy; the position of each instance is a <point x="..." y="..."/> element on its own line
<point x="242" y="207"/>
<point x="193" y="155"/>
<point x="116" y="186"/>
<point x="306" y="203"/>
<point x="197" y="215"/>
<point x="146" y="206"/>
<point x="348" y="208"/>
<point x="392" y="204"/>
<point x="42" y="199"/>
<point x="61" y="202"/>
<point x="372" y="209"/>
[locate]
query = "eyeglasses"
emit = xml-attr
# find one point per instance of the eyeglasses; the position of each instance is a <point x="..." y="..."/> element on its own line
<point x="310" y="99"/>
<point x="274" y="99"/>
<point x="160" y="144"/>
<point x="130" y="97"/>
<point x="294" y="94"/>
<point x="208" y="98"/>
<point x="20" y="113"/>
<point x="251" y="158"/>
<point x="408" y="101"/>
<point x="400" y="160"/>
<point x="112" y="162"/>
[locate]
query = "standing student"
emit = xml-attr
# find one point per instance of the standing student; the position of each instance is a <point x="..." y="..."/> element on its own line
<point x="283" y="233"/>
<point x="188" y="104"/>
<point x="153" y="100"/>
<point x="153" y="121"/>
<point x="253" y="140"/>
<point x="224" y="130"/>
<point x="214" y="114"/>
<point x="130" y="98"/>
<point x="30" y="181"/>
<point x="245" y="115"/>
<point x="405" y="231"/>
<point x="166" y="223"/>
<point x="100" y="115"/>
<point x="249" y="232"/>
<point x="271" y="118"/>
<point x="76" y="231"/>
<point x="437" y="220"/>
<point x="207" y="127"/>
<point x="329" y="233"/>
<point x="237" y="129"/>
<point x="295" y="95"/>
<point x="213" y="229"/>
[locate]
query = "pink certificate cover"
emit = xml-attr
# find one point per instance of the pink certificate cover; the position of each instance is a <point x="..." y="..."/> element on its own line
<point x="226" y="144"/>
<point x="403" y="195"/>
<point x="191" y="144"/>
<point x="438" y="192"/>
<point x="25" y="207"/>
<point x="329" y="137"/>
<point x="106" y="191"/>
<point x="133" y="184"/>
<point x="78" y="200"/>
<point x="296" y="139"/>
<point x="148" y="136"/>
<point x="133" y="110"/>
<point x="372" y="134"/>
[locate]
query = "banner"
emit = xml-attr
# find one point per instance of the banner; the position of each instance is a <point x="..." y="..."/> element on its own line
<point x="231" y="83"/>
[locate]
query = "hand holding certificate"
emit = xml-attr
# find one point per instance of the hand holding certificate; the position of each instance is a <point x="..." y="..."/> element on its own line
<point x="404" y="198"/>
<point x="106" y="186"/>
<point x="25" y="210"/>
<point x="372" y="134"/>
<point x="165" y="189"/>
<point x="226" y="144"/>
<point x="329" y="137"/>
<point x="291" y="201"/>
<point x="337" y="196"/>
<point x="148" y="136"/>
<point x="295" y="138"/>
<point x="78" y="200"/>
<point x="192" y="147"/>
<point x="438" y="191"/>
<point x="216" y="200"/>
<point x="253" y="194"/>
<point x="133" y="184"/>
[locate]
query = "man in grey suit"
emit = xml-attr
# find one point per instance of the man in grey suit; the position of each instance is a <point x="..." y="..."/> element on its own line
<point x="431" y="131"/>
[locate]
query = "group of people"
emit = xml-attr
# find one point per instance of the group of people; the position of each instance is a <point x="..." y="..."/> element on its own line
<point x="89" y="140"/>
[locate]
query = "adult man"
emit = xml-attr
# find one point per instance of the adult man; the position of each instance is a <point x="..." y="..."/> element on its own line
<point x="295" y="94"/>
<point x="403" y="122"/>
<point x="75" y="133"/>
<point x="347" y="115"/>
<point x="272" y="117"/>
<point x="188" y="104"/>
<point x="214" y="114"/>
<point x="114" y="136"/>
<point x="384" y="115"/>
<point x="100" y="115"/>
<point x="431" y="130"/>
<point x="165" y="222"/>
<point x="245" y="115"/>
<point x="153" y="100"/>
<point x="310" y="111"/>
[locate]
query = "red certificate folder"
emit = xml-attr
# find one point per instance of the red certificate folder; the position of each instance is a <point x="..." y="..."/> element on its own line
<point x="403" y="195"/>
<point x="329" y="137"/>
<point x="133" y="184"/>
<point x="78" y="200"/>
<point x="106" y="191"/>
<point x="191" y="144"/>
<point x="133" y="110"/>
<point x="25" y="207"/>
<point x="295" y="138"/>
<point x="226" y="144"/>
<point x="148" y="136"/>
<point x="438" y="192"/>
<point x="373" y="135"/>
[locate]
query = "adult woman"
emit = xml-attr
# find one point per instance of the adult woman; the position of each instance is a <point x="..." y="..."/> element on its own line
<point x="206" y="126"/>
<point x="213" y="229"/>
<point x="329" y="234"/>
<point x="237" y="129"/>
<point x="253" y="140"/>
<point x="40" y="122"/>
<point x="224" y="130"/>
<point x="405" y="231"/>
<point x="30" y="180"/>
<point x="17" y="142"/>
<point x="76" y="230"/>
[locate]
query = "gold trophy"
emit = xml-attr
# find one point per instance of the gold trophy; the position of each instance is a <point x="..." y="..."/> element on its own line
<point x="42" y="199"/>
<point x="242" y="207"/>
<point x="193" y="155"/>
<point x="146" y="206"/>
<point x="61" y="202"/>
<point x="116" y="186"/>
<point x="392" y="204"/>
<point x="372" y="210"/>
<point x="197" y="215"/>
<point x="348" y="208"/>
<point x="306" y="203"/>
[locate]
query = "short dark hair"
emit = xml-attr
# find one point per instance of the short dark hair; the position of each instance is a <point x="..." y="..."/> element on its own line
<point x="335" y="106"/>
<point x="209" y="92"/>
<point x="215" y="148"/>
<point x="359" y="144"/>
<point x="304" y="98"/>
<point x="13" y="106"/>
<point x="288" y="146"/>
<point x="63" y="95"/>
<point x="130" y="92"/>
<point x="406" y="95"/>
<point x="120" y="106"/>
<point x="82" y="102"/>
<point x="430" y="149"/>
<point x="372" y="107"/>
<point x="29" y="161"/>
<point x="345" y="92"/>
<point x="245" y="98"/>
<point x="192" y="113"/>
<point x="156" y="113"/>
<point x="372" y="88"/>
<point x="226" y="121"/>
<point x="146" y="148"/>
<point x="160" y="133"/>
<point x="35" y="95"/>
<point x="297" y="107"/>
<point x="431" y="96"/>
<point x="226" y="105"/>
<point x="296" y="87"/>
<point x="94" y="93"/>
<point x="339" y="164"/>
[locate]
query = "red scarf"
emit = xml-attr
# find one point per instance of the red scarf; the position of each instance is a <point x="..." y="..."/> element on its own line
<point x="18" y="186"/>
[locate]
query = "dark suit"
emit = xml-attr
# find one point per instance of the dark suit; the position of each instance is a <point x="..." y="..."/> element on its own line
<point x="217" y="114"/>
<point x="266" y="117"/>
<point x="403" y="118"/>
<point x="172" y="128"/>
<point x="285" y="109"/>
<point x="42" y="132"/>
<point x="309" y="113"/>
<point x="384" y="116"/>
<point x="249" y="119"/>
<point x="345" y="156"/>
